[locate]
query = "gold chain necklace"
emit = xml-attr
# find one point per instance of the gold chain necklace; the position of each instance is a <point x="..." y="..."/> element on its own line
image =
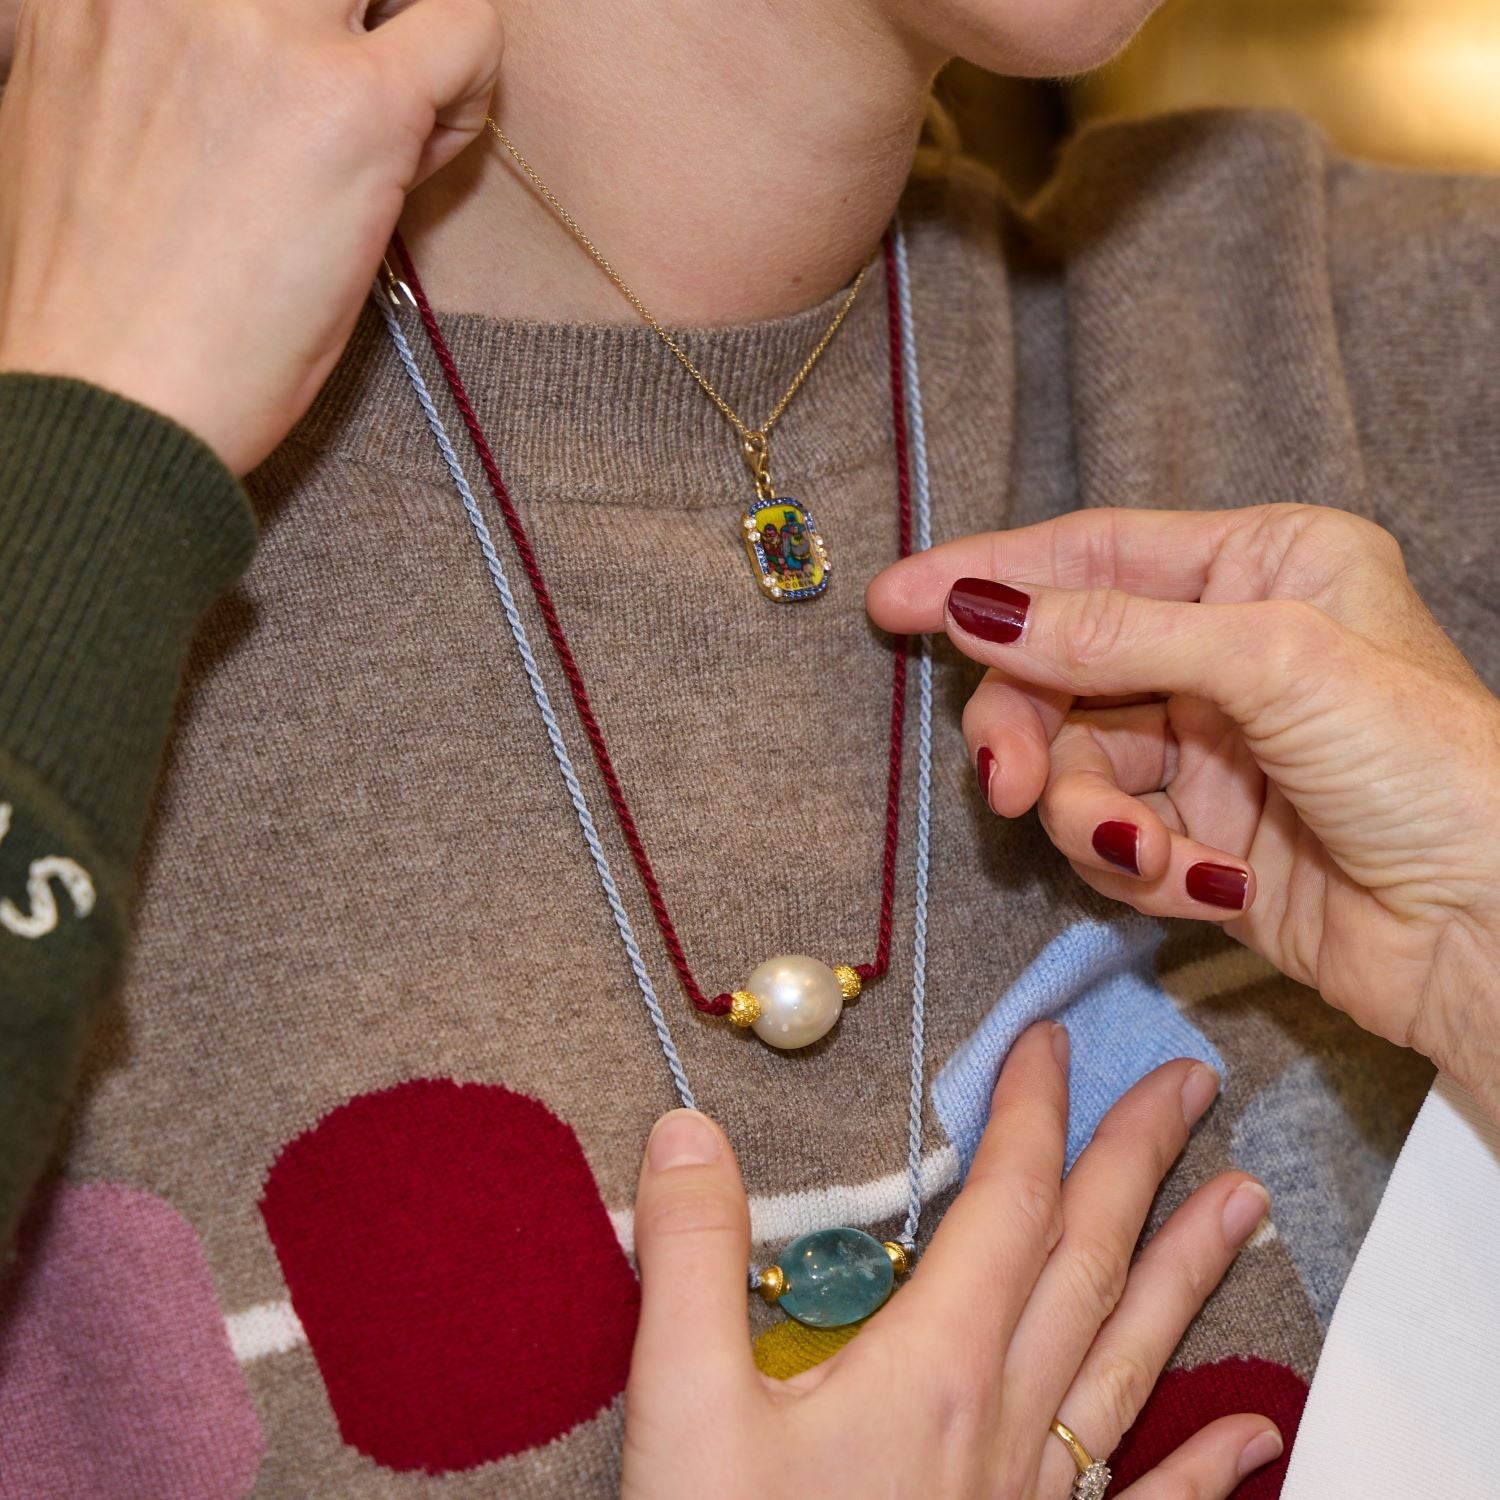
<point x="785" y="547"/>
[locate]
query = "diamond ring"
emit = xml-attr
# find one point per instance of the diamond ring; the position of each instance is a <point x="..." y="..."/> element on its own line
<point x="1093" y="1478"/>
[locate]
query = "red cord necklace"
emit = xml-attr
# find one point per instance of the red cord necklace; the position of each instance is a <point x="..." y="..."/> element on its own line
<point x="790" y="1000"/>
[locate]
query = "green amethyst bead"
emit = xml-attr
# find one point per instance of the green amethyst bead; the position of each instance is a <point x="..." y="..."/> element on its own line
<point x="834" y="1277"/>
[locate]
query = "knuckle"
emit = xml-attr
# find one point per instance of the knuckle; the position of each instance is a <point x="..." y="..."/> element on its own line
<point x="1283" y="521"/>
<point x="1075" y="746"/>
<point x="1092" y="629"/>
<point x="1098" y="1267"/>
<point x="1196" y="1277"/>
<point x="1338" y="538"/>
<point x="55" y="34"/>
<point x="977" y="714"/>
<point x="1052" y="805"/>
<point x="32" y="16"/>
<point x="962" y="1408"/>
<point x="1146" y="1135"/>
<point x="1346" y="531"/>
<point x="346" y="95"/>
<point x="1385" y="548"/>
<point x="1121" y="1381"/>
<point x="354" y="94"/>
<point x="1029" y="1199"/>
<point x="1037" y="1202"/>
<point x="489" y="25"/>
<point x="1294" y="632"/>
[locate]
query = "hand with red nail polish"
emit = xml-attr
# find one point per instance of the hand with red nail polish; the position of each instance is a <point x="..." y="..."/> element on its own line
<point x="1246" y="717"/>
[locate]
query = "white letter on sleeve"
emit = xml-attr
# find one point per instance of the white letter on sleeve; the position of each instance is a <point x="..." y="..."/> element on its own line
<point x="42" y="917"/>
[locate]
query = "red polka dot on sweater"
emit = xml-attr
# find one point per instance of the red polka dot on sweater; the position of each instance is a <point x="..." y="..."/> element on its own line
<point x="1185" y="1400"/>
<point x="452" y="1263"/>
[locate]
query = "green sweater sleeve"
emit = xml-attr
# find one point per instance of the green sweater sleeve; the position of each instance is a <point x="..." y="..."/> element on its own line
<point x="117" y="530"/>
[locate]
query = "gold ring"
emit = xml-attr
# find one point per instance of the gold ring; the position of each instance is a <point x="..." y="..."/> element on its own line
<point x="1093" y="1478"/>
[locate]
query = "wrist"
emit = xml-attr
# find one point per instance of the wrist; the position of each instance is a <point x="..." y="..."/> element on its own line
<point x="157" y="385"/>
<point x="1458" y="1017"/>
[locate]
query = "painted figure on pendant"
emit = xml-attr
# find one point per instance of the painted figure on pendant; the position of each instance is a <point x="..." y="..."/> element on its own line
<point x="771" y="541"/>
<point x="796" y="547"/>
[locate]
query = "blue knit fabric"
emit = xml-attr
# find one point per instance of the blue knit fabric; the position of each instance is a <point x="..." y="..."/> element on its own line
<point x="1098" y="979"/>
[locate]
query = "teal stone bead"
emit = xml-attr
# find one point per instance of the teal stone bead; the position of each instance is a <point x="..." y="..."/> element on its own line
<point x="834" y="1277"/>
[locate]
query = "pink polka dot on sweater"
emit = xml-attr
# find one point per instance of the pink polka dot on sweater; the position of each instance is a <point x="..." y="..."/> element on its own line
<point x="118" y="1379"/>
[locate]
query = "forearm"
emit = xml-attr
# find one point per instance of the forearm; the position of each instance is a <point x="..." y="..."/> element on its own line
<point x="117" y="529"/>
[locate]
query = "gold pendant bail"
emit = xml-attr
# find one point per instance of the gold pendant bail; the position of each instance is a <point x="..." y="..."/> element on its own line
<point x="757" y="450"/>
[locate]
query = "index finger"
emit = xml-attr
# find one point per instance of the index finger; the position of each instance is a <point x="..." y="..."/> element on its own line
<point x="1164" y="554"/>
<point x="970" y="1286"/>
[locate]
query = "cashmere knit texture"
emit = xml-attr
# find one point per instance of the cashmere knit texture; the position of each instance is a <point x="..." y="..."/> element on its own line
<point x="377" y="1043"/>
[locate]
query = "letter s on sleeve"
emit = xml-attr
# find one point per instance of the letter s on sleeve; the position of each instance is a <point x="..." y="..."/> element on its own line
<point x="41" y="918"/>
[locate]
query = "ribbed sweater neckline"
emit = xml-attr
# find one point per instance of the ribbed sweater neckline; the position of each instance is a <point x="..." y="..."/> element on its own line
<point x="603" y="414"/>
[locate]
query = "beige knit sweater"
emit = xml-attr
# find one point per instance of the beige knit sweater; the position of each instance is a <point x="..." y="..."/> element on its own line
<point x="365" y="870"/>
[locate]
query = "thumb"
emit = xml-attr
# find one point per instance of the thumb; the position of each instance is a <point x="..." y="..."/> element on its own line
<point x="692" y="1241"/>
<point x="448" y="51"/>
<point x="1097" y="643"/>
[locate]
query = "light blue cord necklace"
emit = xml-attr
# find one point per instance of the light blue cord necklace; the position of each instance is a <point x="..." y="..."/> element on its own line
<point x="834" y="1276"/>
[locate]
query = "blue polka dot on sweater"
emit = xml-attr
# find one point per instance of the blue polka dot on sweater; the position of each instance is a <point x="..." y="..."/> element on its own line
<point x="1099" y="980"/>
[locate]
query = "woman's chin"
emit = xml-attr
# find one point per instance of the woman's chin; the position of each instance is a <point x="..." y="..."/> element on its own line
<point x="1030" y="38"/>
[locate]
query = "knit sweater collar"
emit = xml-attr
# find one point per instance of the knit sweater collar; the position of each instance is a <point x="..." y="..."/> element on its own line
<point x="602" y="414"/>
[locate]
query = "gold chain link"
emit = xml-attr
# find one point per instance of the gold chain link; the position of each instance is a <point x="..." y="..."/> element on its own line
<point x="753" y="438"/>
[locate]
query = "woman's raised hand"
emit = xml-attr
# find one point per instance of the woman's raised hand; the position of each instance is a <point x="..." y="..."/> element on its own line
<point x="1246" y="717"/>
<point x="194" y="197"/>
<point x="1024" y="1307"/>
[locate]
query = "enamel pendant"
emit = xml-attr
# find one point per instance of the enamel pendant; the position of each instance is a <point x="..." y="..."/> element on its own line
<point x="781" y="539"/>
<point x="788" y="555"/>
<point x="833" y="1277"/>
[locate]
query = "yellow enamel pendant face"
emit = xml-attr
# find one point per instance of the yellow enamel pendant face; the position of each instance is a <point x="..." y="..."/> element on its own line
<point x="785" y="549"/>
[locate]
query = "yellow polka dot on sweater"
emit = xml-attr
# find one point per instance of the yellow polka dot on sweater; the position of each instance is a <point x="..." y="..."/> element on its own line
<point x="791" y="1347"/>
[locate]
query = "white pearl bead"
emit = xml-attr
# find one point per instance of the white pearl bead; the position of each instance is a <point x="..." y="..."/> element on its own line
<point x="799" y="999"/>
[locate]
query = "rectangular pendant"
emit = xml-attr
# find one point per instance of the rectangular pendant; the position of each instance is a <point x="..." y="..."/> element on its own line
<point x="785" y="549"/>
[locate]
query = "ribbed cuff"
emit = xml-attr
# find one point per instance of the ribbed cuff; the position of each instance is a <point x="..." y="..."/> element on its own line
<point x="118" y="528"/>
<point x="52" y="979"/>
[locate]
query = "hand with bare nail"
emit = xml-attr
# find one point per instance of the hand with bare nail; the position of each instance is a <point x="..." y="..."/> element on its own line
<point x="1029" y="1303"/>
<point x="194" y="198"/>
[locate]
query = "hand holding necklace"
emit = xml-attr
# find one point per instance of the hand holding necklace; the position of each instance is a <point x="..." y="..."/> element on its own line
<point x="194" y="198"/>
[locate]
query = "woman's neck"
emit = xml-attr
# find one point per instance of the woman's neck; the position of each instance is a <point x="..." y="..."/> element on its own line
<point x="729" y="173"/>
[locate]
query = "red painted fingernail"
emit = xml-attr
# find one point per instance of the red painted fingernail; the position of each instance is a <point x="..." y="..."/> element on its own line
<point x="984" y="765"/>
<point x="1218" y="885"/>
<point x="1119" y="843"/>
<point x="992" y="611"/>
